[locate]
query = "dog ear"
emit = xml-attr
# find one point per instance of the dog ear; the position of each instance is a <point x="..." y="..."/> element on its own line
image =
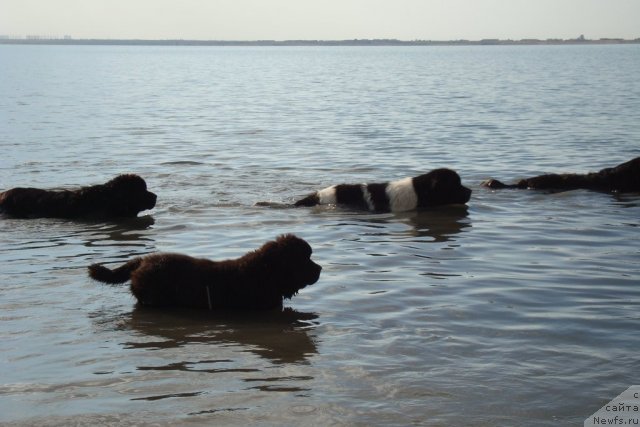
<point x="283" y="251"/>
<point x="283" y="238"/>
<point x="293" y="245"/>
<point x="446" y="178"/>
<point x="128" y="181"/>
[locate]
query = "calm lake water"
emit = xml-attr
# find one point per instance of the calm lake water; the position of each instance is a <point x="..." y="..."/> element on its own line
<point x="522" y="310"/>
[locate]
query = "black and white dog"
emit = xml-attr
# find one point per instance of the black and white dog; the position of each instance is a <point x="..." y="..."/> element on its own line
<point x="436" y="188"/>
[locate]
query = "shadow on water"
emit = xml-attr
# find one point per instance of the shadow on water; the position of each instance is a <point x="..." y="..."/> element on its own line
<point x="278" y="336"/>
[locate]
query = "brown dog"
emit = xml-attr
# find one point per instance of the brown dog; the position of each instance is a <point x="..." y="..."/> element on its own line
<point x="258" y="280"/>
<point x="123" y="196"/>
<point x="622" y="178"/>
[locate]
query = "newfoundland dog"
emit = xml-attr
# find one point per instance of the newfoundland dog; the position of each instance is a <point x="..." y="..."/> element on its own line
<point x="123" y="196"/>
<point x="622" y="178"/>
<point x="436" y="188"/>
<point x="258" y="280"/>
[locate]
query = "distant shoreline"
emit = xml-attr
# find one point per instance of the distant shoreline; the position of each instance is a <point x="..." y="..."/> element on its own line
<point x="355" y="42"/>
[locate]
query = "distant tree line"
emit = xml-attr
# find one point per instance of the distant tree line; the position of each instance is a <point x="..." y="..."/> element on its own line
<point x="68" y="40"/>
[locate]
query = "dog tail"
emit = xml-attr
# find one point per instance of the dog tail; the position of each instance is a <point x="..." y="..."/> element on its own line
<point x="310" y="200"/>
<point x="117" y="275"/>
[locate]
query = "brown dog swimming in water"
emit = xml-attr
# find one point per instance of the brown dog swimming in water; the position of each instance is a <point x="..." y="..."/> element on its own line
<point x="622" y="178"/>
<point x="122" y="197"/>
<point x="258" y="280"/>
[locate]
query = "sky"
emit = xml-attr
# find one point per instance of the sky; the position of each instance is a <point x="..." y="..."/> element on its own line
<point x="321" y="19"/>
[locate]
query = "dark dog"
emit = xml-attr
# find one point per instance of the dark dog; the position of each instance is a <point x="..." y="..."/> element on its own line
<point x="257" y="280"/>
<point x="622" y="178"/>
<point x="436" y="188"/>
<point x="123" y="196"/>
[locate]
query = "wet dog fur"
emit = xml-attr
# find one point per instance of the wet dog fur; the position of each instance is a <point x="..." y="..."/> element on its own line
<point x="622" y="178"/>
<point x="436" y="188"/>
<point x="258" y="280"/>
<point x="122" y="197"/>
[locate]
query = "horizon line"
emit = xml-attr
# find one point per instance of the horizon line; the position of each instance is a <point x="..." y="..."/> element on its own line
<point x="37" y="39"/>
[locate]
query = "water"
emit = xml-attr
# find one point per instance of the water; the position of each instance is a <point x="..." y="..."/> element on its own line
<point x="520" y="310"/>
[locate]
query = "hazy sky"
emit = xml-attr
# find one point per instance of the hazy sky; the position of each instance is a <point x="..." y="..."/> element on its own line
<point x="321" y="19"/>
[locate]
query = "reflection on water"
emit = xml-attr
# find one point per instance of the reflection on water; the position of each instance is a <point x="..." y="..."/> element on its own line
<point x="279" y="336"/>
<point x="123" y="229"/>
<point x="627" y="200"/>
<point x="133" y="236"/>
<point x="27" y="242"/>
<point x="441" y="224"/>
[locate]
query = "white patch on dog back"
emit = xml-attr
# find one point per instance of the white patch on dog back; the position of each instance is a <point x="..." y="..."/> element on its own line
<point x="401" y="195"/>
<point x="367" y="197"/>
<point x="327" y="196"/>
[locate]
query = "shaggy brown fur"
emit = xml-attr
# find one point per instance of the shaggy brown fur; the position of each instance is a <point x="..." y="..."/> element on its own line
<point x="622" y="178"/>
<point x="257" y="280"/>
<point x="123" y="196"/>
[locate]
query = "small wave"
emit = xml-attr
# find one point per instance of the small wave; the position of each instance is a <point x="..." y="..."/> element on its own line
<point x="183" y="163"/>
<point x="274" y="205"/>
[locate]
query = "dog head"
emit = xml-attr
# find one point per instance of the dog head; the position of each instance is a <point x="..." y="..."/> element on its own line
<point x="128" y="195"/>
<point x="440" y="187"/>
<point x="289" y="265"/>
